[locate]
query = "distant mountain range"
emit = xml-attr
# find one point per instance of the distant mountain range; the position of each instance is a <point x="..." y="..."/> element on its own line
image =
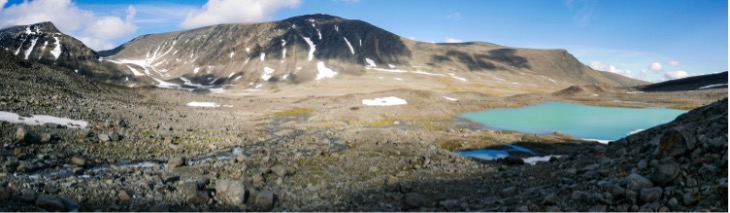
<point x="294" y="51"/>
<point x="710" y="81"/>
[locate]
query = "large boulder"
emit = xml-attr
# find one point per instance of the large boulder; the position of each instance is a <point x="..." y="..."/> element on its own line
<point x="231" y="192"/>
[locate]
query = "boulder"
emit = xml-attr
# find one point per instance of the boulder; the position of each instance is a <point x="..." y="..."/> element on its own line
<point x="231" y="192"/>
<point x="78" y="160"/>
<point x="664" y="172"/>
<point x="26" y="136"/>
<point x="279" y="170"/>
<point x="636" y="182"/>
<point x="649" y="195"/>
<point x="123" y="195"/>
<point x="264" y="200"/>
<point x="50" y="203"/>
<point x="415" y="200"/>
<point x="192" y="194"/>
<point x="674" y="143"/>
<point x="104" y="137"/>
<point x="175" y="162"/>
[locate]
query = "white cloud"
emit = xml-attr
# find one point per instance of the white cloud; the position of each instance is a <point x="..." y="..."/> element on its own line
<point x="235" y="11"/>
<point x="347" y="1"/>
<point x="2" y="3"/>
<point x="674" y="63"/>
<point x="656" y="67"/>
<point x="676" y="75"/>
<point x="598" y="65"/>
<point x="95" y="31"/>
<point x="452" y="40"/>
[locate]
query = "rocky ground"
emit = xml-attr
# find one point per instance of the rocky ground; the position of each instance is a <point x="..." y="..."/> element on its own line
<point x="144" y="150"/>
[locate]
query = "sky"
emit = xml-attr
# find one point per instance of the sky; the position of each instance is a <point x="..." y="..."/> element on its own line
<point x="652" y="40"/>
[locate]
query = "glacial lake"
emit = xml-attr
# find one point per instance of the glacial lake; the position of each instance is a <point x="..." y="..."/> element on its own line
<point x="577" y="120"/>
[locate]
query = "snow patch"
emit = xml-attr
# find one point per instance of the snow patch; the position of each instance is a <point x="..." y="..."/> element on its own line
<point x="203" y="104"/>
<point x="267" y="73"/>
<point x="312" y="47"/>
<point x="712" y="86"/>
<point x="41" y="120"/>
<point x="229" y="56"/>
<point x="386" y="101"/>
<point x="196" y="70"/>
<point x="263" y="56"/>
<point x="391" y="66"/>
<point x="319" y="33"/>
<point x="56" y="52"/>
<point x="450" y="98"/>
<point x="361" y="42"/>
<point x="535" y="159"/>
<point x="134" y="71"/>
<point x="370" y="62"/>
<point x="499" y="79"/>
<point x="324" y="72"/>
<point x="635" y="131"/>
<point x="29" y="50"/>
<point x="349" y="45"/>
<point x="398" y="79"/>
<point x="337" y="28"/>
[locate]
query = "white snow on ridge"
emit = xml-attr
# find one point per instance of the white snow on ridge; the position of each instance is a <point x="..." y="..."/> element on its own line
<point x="263" y="56"/>
<point x="386" y="101"/>
<point x="41" y="119"/>
<point x="203" y="104"/>
<point x="29" y="50"/>
<point x="387" y="70"/>
<point x="196" y="70"/>
<point x="635" y="131"/>
<point x="456" y="77"/>
<point x="535" y="159"/>
<point x="391" y="66"/>
<point x="324" y="72"/>
<point x="337" y="28"/>
<point x="134" y="71"/>
<point x="349" y="45"/>
<point x="267" y="73"/>
<point x="712" y="85"/>
<point x="231" y="55"/>
<point x="450" y="98"/>
<point x="312" y="47"/>
<point x="361" y="42"/>
<point x="370" y="62"/>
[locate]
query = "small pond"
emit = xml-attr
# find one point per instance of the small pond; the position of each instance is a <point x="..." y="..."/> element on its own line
<point x="577" y="120"/>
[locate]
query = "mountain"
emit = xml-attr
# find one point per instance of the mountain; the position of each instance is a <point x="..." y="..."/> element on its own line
<point x="318" y="47"/>
<point x="44" y="43"/>
<point x="716" y="80"/>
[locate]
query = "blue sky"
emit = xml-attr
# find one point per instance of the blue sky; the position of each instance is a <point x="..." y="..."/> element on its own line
<point x="652" y="40"/>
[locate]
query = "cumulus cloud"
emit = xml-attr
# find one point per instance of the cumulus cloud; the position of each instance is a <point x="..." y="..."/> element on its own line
<point x="656" y="67"/>
<point x="676" y="75"/>
<point x="598" y="65"/>
<point x="2" y="3"/>
<point x="95" y="31"/>
<point x="452" y="40"/>
<point x="234" y="11"/>
<point x="674" y="63"/>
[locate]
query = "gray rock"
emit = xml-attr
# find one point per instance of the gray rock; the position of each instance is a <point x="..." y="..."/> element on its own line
<point x="175" y="162"/>
<point x="550" y="199"/>
<point x="673" y="202"/>
<point x="688" y="199"/>
<point x="650" y="194"/>
<point x="522" y="209"/>
<point x="103" y="137"/>
<point x="579" y="195"/>
<point x="5" y="194"/>
<point x="642" y="164"/>
<point x="192" y="194"/>
<point x="509" y="191"/>
<point x="598" y="208"/>
<point x="665" y="171"/>
<point x="279" y="170"/>
<point x="27" y="195"/>
<point x="231" y="192"/>
<point x="673" y="143"/>
<point x="26" y="136"/>
<point x="258" y="180"/>
<point x="263" y="200"/>
<point x="78" y="160"/>
<point x="415" y="200"/>
<point x="451" y="204"/>
<point x="159" y="208"/>
<point x="50" y="203"/>
<point x="71" y="205"/>
<point x="636" y="182"/>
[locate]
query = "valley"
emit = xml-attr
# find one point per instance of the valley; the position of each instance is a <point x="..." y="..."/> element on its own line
<point x="343" y="133"/>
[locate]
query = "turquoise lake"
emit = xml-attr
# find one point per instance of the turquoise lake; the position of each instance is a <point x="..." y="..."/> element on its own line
<point x="577" y="120"/>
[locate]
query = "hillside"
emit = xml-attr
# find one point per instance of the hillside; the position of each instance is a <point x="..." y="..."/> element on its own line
<point x="717" y="80"/>
<point x="315" y="48"/>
